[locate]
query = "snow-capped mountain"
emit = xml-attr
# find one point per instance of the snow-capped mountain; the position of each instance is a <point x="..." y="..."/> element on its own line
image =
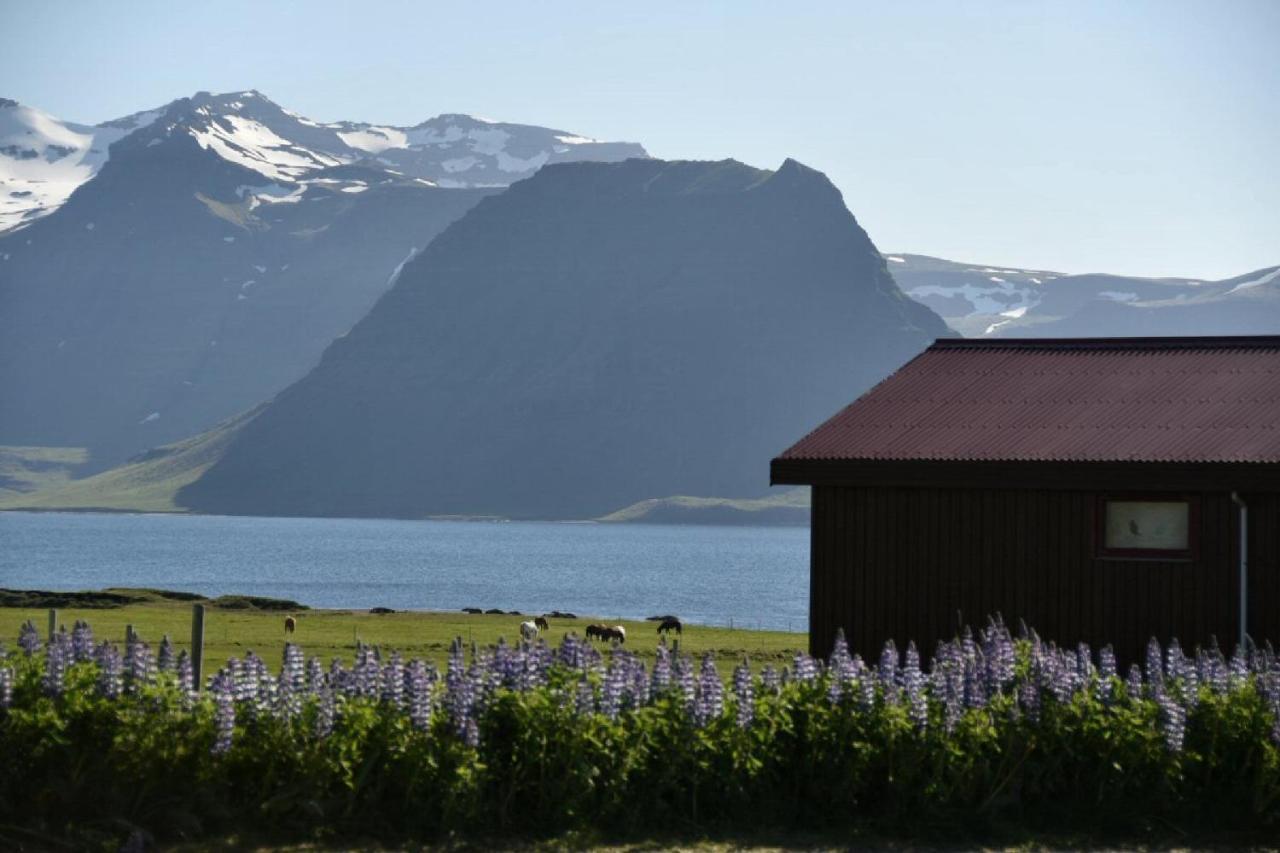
<point x="980" y="300"/>
<point x="44" y="159"/>
<point x="204" y="260"/>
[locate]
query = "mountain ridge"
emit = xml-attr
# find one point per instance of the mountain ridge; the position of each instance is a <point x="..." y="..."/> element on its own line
<point x="43" y="159"/>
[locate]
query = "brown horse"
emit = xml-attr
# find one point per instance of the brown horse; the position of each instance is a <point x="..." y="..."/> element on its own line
<point x="607" y="633"/>
<point x="290" y="624"/>
<point x="671" y="624"/>
<point x="541" y="622"/>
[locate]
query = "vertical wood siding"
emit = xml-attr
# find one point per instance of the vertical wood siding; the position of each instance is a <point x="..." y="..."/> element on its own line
<point x="912" y="563"/>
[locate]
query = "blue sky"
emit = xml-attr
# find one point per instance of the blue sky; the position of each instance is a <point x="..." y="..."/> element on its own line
<point x="1134" y="137"/>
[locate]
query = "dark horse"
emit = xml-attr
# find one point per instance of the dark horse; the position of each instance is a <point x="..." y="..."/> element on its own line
<point x="671" y="624"/>
<point x="541" y="622"/>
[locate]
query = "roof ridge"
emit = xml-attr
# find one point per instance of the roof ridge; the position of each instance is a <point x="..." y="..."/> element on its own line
<point x="1187" y="342"/>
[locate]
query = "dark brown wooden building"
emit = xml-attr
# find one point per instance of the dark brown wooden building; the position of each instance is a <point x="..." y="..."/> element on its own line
<point x="1098" y="489"/>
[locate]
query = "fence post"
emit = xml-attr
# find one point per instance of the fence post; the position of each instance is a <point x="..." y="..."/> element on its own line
<point x="129" y="635"/>
<point x="197" y="645"/>
<point x="53" y="623"/>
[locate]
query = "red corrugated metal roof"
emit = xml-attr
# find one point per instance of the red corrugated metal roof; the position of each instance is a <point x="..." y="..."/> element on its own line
<point x="1086" y="399"/>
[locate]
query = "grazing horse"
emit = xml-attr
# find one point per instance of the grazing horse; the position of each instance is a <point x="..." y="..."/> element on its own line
<point x="529" y="631"/>
<point x="671" y="623"/>
<point x="541" y="622"/>
<point x="607" y="633"/>
<point x="290" y="624"/>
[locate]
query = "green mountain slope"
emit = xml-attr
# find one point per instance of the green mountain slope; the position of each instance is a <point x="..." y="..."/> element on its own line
<point x="786" y="508"/>
<point x="148" y="483"/>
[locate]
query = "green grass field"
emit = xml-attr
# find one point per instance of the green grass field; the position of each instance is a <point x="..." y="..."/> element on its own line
<point x="334" y="633"/>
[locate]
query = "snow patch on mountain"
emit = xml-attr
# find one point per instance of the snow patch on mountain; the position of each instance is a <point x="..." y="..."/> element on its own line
<point x="1256" y="282"/>
<point x="255" y="146"/>
<point x="375" y="139"/>
<point x="44" y="159"/>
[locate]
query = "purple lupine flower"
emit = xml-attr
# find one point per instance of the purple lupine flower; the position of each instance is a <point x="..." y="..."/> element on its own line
<point x="999" y="653"/>
<point x="1133" y="682"/>
<point x="339" y="678"/>
<point x="164" y="658"/>
<point x="293" y="669"/>
<point x="839" y="658"/>
<point x="366" y="672"/>
<point x="6" y="686"/>
<point x="186" y="677"/>
<point x="770" y="679"/>
<point x="57" y="658"/>
<point x="392" y="678"/>
<point x="290" y="683"/>
<point x="82" y="642"/>
<point x="974" y="687"/>
<point x="887" y="670"/>
<point x="661" y="681"/>
<point x="866" y="686"/>
<point x="742" y="690"/>
<point x="262" y="688"/>
<point x="460" y="698"/>
<point x="326" y="711"/>
<point x="806" y="668"/>
<point x="315" y="675"/>
<point x="1211" y="667"/>
<point x="29" y="638"/>
<point x="1107" y="668"/>
<point x="139" y="666"/>
<point x="710" y="702"/>
<point x="1155" y="663"/>
<point x="1105" y="683"/>
<point x="638" y="688"/>
<point x="584" y="698"/>
<point x="471" y="737"/>
<point x="611" y="690"/>
<point x="913" y="682"/>
<point x="224" y="711"/>
<point x="1186" y="679"/>
<point x="1084" y="663"/>
<point x="1029" y="696"/>
<point x="1173" y="720"/>
<point x="110" y="671"/>
<point x="1239" y="667"/>
<point x="953" y="697"/>
<point x="418" y="694"/>
<point x="684" y="679"/>
<point x="842" y="671"/>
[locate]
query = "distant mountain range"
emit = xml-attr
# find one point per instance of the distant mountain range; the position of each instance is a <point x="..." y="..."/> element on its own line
<point x="609" y="332"/>
<point x="204" y="260"/>
<point x="980" y="300"/>
<point x="43" y="159"/>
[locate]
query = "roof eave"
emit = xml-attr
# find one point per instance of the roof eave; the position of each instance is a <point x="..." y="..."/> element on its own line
<point x="1110" y="475"/>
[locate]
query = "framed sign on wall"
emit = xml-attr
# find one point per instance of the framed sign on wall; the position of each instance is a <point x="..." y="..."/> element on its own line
<point x="1157" y="528"/>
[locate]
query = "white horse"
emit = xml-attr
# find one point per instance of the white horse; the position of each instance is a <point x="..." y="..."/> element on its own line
<point x="529" y="630"/>
<point x="621" y="632"/>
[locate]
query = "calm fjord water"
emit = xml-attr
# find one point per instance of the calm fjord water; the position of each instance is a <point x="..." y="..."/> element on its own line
<point x="752" y="576"/>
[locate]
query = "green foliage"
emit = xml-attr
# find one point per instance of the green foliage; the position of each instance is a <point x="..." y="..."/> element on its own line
<point x="1083" y="767"/>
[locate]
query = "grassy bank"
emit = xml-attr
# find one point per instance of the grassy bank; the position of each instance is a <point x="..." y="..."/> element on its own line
<point x="231" y="631"/>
